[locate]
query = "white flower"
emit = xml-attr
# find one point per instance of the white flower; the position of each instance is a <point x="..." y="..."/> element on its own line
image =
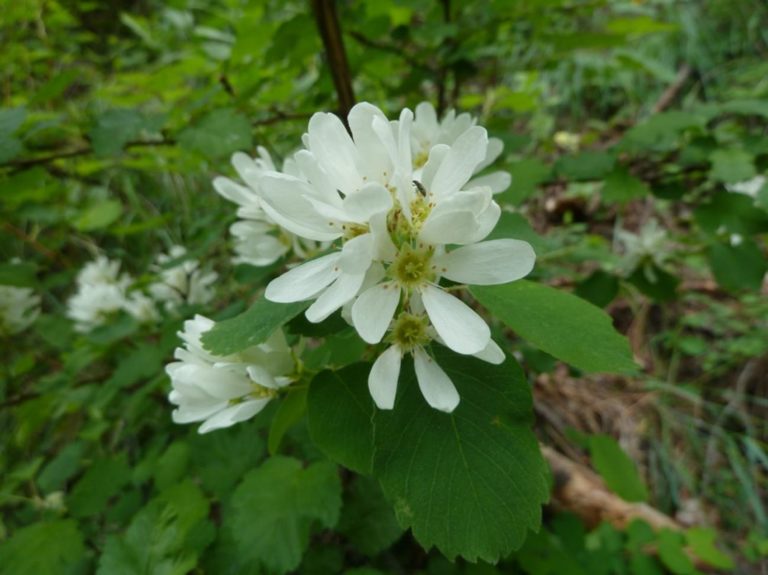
<point x="101" y="294"/>
<point x="428" y="131"/>
<point x="19" y="308"/>
<point x="183" y="283"/>
<point x="649" y="246"/>
<point x="141" y="307"/>
<point x="411" y="333"/>
<point x="222" y="391"/>
<point x="259" y="241"/>
<point x="398" y="223"/>
<point x="748" y="187"/>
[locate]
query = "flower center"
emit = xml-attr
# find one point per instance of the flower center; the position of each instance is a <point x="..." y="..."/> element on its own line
<point x="410" y="331"/>
<point x="411" y="267"/>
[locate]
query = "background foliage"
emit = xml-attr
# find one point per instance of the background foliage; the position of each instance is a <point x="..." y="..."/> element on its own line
<point x="116" y="116"/>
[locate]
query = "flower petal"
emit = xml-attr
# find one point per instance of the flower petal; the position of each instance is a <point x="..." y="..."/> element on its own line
<point x="435" y="385"/>
<point x="487" y="263"/>
<point x="460" y="162"/>
<point x="459" y="326"/>
<point x="382" y="380"/>
<point x="436" y="157"/>
<point x="371" y="199"/>
<point x="233" y="414"/>
<point x="497" y="181"/>
<point x="374" y="309"/>
<point x="338" y="293"/>
<point x="234" y="192"/>
<point x="492" y="353"/>
<point x="247" y="169"/>
<point x="330" y="143"/>
<point x="495" y="147"/>
<point x="374" y="160"/>
<point x="357" y="254"/>
<point x="305" y="281"/>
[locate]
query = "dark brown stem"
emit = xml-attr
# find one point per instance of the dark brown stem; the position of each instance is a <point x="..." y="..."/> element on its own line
<point x="330" y="32"/>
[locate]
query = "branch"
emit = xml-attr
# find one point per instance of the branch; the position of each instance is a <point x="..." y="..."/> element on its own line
<point x="330" y="32"/>
<point x="389" y="48"/>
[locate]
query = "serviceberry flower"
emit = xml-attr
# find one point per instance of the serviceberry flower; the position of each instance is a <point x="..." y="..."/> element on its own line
<point x="645" y="250"/>
<point x="19" y="308"/>
<point x="220" y="391"/>
<point x="101" y="293"/>
<point x="181" y="281"/>
<point x="259" y="241"/>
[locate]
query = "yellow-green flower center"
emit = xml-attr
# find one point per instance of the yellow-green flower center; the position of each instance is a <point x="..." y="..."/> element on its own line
<point x="412" y="267"/>
<point x="409" y="331"/>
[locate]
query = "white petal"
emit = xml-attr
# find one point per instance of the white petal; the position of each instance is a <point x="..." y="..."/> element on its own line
<point x="486" y="221"/>
<point x="261" y="376"/>
<point x="305" y="281"/>
<point x="404" y="164"/>
<point x="492" y="353"/>
<point x="285" y="201"/>
<point x="436" y="156"/>
<point x="382" y="380"/>
<point x="233" y="414"/>
<point x="371" y="199"/>
<point x="247" y="169"/>
<point x="234" y="192"/>
<point x="374" y="160"/>
<point x="330" y="143"/>
<point x="435" y="385"/>
<point x="357" y="254"/>
<point x="460" y="327"/>
<point x="495" y="147"/>
<point x="189" y="412"/>
<point x="449" y="228"/>
<point x="338" y="293"/>
<point x="373" y="311"/>
<point x="321" y="183"/>
<point x="487" y="263"/>
<point x="460" y="162"/>
<point x="497" y="181"/>
<point x="384" y="247"/>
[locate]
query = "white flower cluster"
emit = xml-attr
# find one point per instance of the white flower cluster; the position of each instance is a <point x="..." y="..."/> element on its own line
<point x="19" y="308"/>
<point x="646" y="249"/>
<point x="222" y="391"/>
<point x="103" y="291"/>
<point x="403" y="205"/>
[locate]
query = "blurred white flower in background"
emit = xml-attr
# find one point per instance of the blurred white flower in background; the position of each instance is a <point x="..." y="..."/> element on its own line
<point x="259" y="241"/>
<point x="19" y="308"/>
<point x="648" y="248"/>
<point x="223" y="390"/>
<point x="181" y="281"/>
<point x="748" y="187"/>
<point x="101" y="293"/>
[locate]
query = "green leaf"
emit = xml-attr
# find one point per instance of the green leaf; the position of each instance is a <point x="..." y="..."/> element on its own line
<point x="560" y="324"/>
<point x="732" y="213"/>
<point x="251" y="327"/>
<point x="515" y="226"/>
<point x="115" y="128"/>
<point x="732" y="165"/>
<point x="61" y="468"/>
<point x="100" y="483"/>
<point x="616" y="468"/>
<point x="346" y="440"/>
<point x="470" y="483"/>
<point x="44" y="548"/>
<point x="292" y="408"/>
<point x="218" y="134"/>
<point x="526" y="174"/>
<point x="587" y="165"/>
<point x="663" y="287"/>
<point x="98" y="216"/>
<point x="18" y="274"/>
<point x="621" y="186"/>
<point x="600" y="288"/>
<point x="672" y="554"/>
<point x="11" y="120"/>
<point x="738" y="267"/>
<point x="702" y="542"/>
<point x="274" y="508"/>
<point x="367" y="520"/>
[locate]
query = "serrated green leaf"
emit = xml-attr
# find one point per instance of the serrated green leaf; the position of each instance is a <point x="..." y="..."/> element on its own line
<point x="274" y="508"/>
<point x="672" y="554"/>
<point x="292" y="408"/>
<point x="732" y="165"/>
<point x="470" y="483"/>
<point x="367" y="520"/>
<point x="586" y="165"/>
<point x="738" y="267"/>
<point x="101" y="482"/>
<point x="113" y="129"/>
<point x="98" y="215"/>
<point x="218" y="134"/>
<point x="731" y="213"/>
<point x="702" y="542"/>
<point x="251" y="327"/>
<point x="621" y="186"/>
<point x="346" y="440"/>
<point x="44" y="548"/>
<point x="616" y="468"/>
<point x="561" y="324"/>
